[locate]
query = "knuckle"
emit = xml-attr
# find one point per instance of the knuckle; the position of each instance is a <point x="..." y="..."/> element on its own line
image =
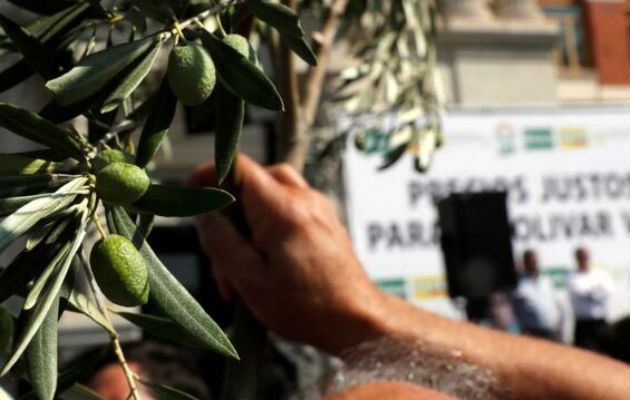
<point x="298" y="213"/>
<point x="285" y="169"/>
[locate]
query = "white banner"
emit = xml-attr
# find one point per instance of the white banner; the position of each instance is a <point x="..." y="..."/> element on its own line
<point x="567" y="172"/>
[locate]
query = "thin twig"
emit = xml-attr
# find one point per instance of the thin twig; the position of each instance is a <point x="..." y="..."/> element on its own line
<point x="129" y="375"/>
<point x="115" y="339"/>
<point x="99" y="226"/>
<point x="199" y="17"/>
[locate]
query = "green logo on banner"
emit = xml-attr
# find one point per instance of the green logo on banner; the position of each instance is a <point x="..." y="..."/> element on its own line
<point x="538" y="138"/>
<point x="396" y="287"/>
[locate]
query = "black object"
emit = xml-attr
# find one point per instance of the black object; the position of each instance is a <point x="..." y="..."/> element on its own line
<point x="476" y="243"/>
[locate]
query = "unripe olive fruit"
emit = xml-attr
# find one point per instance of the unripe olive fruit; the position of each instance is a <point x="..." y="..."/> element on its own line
<point x="120" y="271"/>
<point x="190" y="73"/>
<point x="121" y="183"/>
<point x="240" y="44"/>
<point x="109" y="156"/>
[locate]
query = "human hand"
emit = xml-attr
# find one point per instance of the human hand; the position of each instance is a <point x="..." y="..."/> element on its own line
<point x="297" y="272"/>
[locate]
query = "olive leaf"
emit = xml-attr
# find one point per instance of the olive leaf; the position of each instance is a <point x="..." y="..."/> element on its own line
<point x="145" y="224"/>
<point x="10" y="204"/>
<point x="20" y="221"/>
<point x="287" y="23"/>
<point x="393" y="155"/>
<point x="241" y="76"/>
<point x="40" y="231"/>
<point x="165" y="392"/>
<point x="11" y="164"/>
<point x="78" y="371"/>
<point x="132" y="81"/>
<point x="160" y="327"/>
<point x="36" y="316"/>
<point x="157" y="125"/>
<point x="38" y="57"/>
<point x="42" y="7"/>
<point x="50" y="28"/>
<point x="179" y="7"/>
<point x="7" y="330"/>
<point x="46" y="30"/>
<point x="79" y="392"/>
<point x="95" y="71"/>
<point x="33" y="127"/>
<point x="25" y="268"/>
<point x="168" y="294"/>
<point x="137" y="19"/>
<point x="158" y="10"/>
<point x="42" y="154"/>
<point x="299" y="47"/>
<point x="14" y="74"/>
<point x="42" y="279"/>
<point x="41" y="355"/>
<point x="179" y="201"/>
<point x="81" y="303"/>
<point x="4" y="395"/>
<point x="229" y="116"/>
<point x="12" y="186"/>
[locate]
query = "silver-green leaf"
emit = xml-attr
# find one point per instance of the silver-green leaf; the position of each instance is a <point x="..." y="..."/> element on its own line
<point x="165" y="392"/>
<point x="182" y="201"/>
<point x="7" y="330"/>
<point x="51" y="293"/>
<point x="11" y="164"/>
<point x="23" y="219"/>
<point x="82" y="303"/>
<point x="157" y="125"/>
<point x="95" y="71"/>
<point x="41" y="355"/>
<point x="241" y="76"/>
<point x="38" y="56"/>
<point x="14" y="186"/>
<point x="287" y="23"/>
<point x="42" y="279"/>
<point x="160" y="327"/>
<point x="229" y="116"/>
<point x="132" y="81"/>
<point x="33" y="127"/>
<point x="79" y="392"/>
<point x="168" y="294"/>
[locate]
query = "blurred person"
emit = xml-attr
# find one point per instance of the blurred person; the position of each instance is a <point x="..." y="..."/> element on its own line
<point x="537" y="308"/>
<point x="298" y="274"/>
<point x="590" y="291"/>
<point x="614" y="342"/>
<point x="154" y="362"/>
<point x="502" y="313"/>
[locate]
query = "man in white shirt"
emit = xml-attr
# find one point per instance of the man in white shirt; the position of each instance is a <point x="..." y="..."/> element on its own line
<point x="590" y="291"/>
<point x="535" y="302"/>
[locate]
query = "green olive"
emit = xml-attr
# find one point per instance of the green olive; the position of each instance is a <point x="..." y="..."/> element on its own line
<point x="121" y="183"/>
<point x="120" y="271"/>
<point x="109" y="156"/>
<point x="191" y="73"/>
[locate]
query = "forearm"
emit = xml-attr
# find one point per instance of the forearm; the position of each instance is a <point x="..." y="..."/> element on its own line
<point x="531" y="368"/>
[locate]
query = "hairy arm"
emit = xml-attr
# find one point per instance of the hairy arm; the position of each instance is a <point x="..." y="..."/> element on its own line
<point x="300" y="276"/>
<point x="531" y="368"/>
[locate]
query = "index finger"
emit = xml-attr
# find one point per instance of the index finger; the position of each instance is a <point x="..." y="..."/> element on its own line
<point x="260" y="193"/>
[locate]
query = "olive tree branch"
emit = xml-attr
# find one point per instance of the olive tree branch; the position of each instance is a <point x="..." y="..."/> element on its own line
<point x="315" y="77"/>
<point x="290" y="130"/>
<point x="296" y="123"/>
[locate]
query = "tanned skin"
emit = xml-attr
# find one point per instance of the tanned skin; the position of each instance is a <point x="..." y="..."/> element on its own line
<point x="300" y="276"/>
